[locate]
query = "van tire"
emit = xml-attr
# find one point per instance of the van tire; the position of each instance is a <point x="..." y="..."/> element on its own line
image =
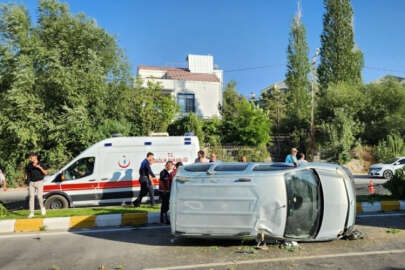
<point x="56" y="202"/>
<point x="387" y="174"/>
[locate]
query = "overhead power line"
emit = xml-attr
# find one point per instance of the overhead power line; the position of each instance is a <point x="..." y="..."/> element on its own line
<point x="253" y="68"/>
<point x="282" y="65"/>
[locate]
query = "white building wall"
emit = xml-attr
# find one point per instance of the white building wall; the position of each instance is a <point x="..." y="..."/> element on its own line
<point x="207" y="95"/>
<point x="200" y="63"/>
<point x="146" y="73"/>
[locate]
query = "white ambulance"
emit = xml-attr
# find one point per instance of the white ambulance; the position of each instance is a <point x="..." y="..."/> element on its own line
<point x="107" y="172"/>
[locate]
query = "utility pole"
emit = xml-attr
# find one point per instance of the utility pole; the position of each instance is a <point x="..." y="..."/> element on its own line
<point x="313" y="63"/>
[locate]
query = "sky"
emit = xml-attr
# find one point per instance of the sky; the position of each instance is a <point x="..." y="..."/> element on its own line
<point x="248" y="39"/>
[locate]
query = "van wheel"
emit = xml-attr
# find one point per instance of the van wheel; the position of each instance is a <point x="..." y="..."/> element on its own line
<point x="387" y="174"/>
<point x="56" y="202"/>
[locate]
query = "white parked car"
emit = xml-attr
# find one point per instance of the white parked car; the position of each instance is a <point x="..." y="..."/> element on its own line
<point x="387" y="168"/>
<point x="312" y="202"/>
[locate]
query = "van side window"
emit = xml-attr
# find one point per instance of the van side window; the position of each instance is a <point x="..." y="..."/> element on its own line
<point x="81" y="168"/>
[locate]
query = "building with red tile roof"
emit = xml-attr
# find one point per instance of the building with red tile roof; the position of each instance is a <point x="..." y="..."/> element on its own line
<point x="197" y="88"/>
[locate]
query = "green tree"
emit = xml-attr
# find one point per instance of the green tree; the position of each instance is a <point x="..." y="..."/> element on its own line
<point x="298" y="110"/>
<point x="187" y="123"/>
<point x="393" y="146"/>
<point x="65" y="84"/>
<point x="298" y="67"/>
<point x="384" y="110"/>
<point x="341" y="59"/>
<point x="151" y="110"/>
<point x="212" y="131"/>
<point x="274" y="102"/>
<point x="243" y="123"/>
<point x="338" y="115"/>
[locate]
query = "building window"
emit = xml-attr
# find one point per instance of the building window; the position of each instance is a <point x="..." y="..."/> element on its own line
<point x="186" y="102"/>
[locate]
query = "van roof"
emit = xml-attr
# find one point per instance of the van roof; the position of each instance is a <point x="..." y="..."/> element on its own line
<point x="255" y="167"/>
<point x="237" y="167"/>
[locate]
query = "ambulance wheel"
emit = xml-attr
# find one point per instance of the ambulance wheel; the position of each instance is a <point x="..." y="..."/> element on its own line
<point x="56" y="202"/>
<point x="387" y="174"/>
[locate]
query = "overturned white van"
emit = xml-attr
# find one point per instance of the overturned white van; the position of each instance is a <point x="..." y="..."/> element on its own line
<point x="314" y="202"/>
<point x="107" y="172"/>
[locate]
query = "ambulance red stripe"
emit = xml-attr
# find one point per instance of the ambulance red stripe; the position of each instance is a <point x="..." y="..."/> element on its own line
<point x="93" y="185"/>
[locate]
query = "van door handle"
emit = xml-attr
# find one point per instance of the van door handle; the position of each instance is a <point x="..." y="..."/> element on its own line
<point x="105" y="178"/>
<point x="243" y="180"/>
<point x="92" y="180"/>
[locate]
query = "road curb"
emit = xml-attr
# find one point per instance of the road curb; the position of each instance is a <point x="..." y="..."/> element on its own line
<point x="137" y="219"/>
<point x="385" y="206"/>
<point x="68" y="223"/>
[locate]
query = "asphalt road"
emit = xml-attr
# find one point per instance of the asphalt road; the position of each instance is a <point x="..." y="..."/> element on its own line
<point x="153" y="248"/>
<point x="362" y="182"/>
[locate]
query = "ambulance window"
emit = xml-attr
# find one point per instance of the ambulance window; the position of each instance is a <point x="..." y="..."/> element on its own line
<point x="81" y="168"/>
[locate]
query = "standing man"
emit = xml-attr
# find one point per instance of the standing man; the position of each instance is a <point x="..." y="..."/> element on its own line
<point x="34" y="175"/>
<point x="201" y="157"/>
<point x="292" y="158"/>
<point x="165" y="183"/>
<point x="214" y="159"/>
<point x="146" y="179"/>
<point x="301" y="159"/>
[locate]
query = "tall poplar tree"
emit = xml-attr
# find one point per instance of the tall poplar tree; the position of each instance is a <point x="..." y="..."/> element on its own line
<point x="341" y="60"/>
<point x="298" y="97"/>
<point x="298" y="68"/>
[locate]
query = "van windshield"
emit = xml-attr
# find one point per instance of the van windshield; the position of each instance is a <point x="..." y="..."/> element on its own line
<point x="304" y="204"/>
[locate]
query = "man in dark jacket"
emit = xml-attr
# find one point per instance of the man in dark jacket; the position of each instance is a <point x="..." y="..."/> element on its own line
<point x="146" y="180"/>
<point x="34" y="175"/>
<point x="165" y="182"/>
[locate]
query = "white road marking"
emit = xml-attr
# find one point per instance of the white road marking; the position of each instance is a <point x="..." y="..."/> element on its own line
<point x="381" y="215"/>
<point x="326" y="256"/>
<point x="84" y="231"/>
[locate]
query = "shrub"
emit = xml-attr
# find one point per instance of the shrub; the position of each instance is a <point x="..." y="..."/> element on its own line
<point x="339" y="137"/>
<point x="392" y="147"/>
<point x="396" y="185"/>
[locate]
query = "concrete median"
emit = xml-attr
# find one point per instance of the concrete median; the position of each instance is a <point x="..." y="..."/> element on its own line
<point x="75" y="222"/>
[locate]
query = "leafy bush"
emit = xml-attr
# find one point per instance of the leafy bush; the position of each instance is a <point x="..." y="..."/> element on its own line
<point x="235" y="153"/>
<point x="338" y="138"/>
<point x="188" y="123"/>
<point x="396" y="185"/>
<point x="392" y="147"/>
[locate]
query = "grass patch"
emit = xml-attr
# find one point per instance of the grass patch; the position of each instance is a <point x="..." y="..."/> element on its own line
<point x="88" y="211"/>
<point x="393" y="231"/>
<point x="375" y="198"/>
